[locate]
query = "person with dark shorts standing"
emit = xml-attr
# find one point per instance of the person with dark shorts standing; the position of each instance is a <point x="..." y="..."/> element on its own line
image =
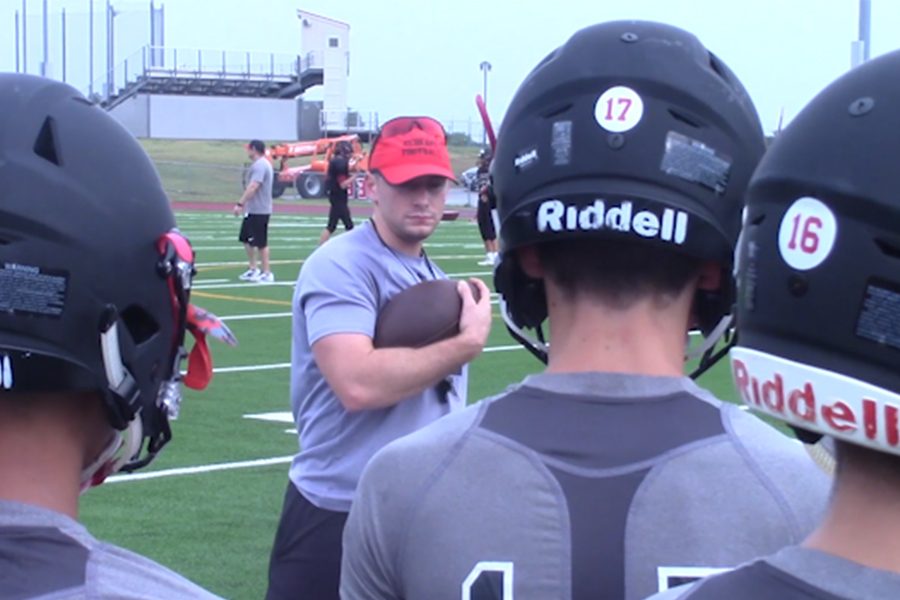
<point x="339" y="181"/>
<point x="256" y="206"/>
<point x="487" y="203"/>
<point x="349" y="398"/>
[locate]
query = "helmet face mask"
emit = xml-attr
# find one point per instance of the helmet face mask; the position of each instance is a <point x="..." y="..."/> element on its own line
<point x="654" y="142"/>
<point x="94" y="277"/>
<point x="818" y="278"/>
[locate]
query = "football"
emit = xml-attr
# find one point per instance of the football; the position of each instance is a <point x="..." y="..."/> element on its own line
<point x="423" y="314"/>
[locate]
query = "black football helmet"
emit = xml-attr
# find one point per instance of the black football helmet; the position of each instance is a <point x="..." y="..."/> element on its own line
<point x="818" y="266"/>
<point x="94" y="276"/>
<point x="630" y="130"/>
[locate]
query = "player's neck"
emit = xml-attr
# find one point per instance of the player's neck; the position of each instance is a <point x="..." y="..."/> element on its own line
<point x="41" y="468"/>
<point x="394" y="242"/>
<point x="862" y="523"/>
<point x="645" y="339"/>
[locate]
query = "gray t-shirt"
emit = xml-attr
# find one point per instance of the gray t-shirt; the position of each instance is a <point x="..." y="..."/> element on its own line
<point x="794" y="573"/>
<point x="582" y="486"/>
<point x="45" y="554"/>
<point x="341" y="289"/>
<point x="260" y="203"/>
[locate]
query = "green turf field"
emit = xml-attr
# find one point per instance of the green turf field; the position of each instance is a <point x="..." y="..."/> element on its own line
<point x="216" y="527"/>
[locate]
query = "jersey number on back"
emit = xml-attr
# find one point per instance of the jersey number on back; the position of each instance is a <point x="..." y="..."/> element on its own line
<point x="489" y="581"/>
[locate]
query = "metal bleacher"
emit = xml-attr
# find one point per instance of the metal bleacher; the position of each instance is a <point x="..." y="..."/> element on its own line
<point x="156" y="70"/>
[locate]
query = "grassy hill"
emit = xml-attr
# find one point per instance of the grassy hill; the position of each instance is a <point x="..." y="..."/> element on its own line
<point x="210" y="170"/>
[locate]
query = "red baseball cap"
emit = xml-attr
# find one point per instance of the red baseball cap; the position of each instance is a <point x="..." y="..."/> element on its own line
<point x="410" y="147"/>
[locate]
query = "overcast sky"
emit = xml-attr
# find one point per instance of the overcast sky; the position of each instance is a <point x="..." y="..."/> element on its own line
<point x="422" y="56"/>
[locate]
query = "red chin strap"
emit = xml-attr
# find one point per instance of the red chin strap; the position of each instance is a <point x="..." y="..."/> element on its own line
<point x="201" y="323"/>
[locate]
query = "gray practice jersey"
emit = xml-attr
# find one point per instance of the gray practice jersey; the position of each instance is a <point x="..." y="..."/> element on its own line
<point x="260" y="203"/>
<point x="576" y="486"/>
<point x="795" y="574"/>
<point x="45" y="554"/>
<point x="341" y="289"/>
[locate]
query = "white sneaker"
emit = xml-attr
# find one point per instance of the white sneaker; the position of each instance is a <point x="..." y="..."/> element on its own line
<point x="249" y="275"/>
<point x="266" y="278"/>
<point x="488" y="260"/>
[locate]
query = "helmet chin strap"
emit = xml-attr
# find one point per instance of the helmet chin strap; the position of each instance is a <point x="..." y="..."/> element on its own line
<point x="710" y="340"/>
<point x="536" y="345"/>
<point x="122" y="446"/>
<point x="540" y="348"/>
<point x="704" y="351"/>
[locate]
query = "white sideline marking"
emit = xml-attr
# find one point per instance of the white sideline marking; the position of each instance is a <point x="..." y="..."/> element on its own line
<point x="243" y="464"/>
<point x="209" y="281"/>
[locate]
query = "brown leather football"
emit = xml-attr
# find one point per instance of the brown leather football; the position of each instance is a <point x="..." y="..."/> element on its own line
<point x="423" y="314"/>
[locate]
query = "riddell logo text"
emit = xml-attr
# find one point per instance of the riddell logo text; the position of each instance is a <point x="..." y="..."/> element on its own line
<point x="842" y="417"/>
<point x="671" y="226"/>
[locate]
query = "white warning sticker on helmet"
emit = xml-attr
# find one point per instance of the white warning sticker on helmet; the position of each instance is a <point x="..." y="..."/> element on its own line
<point x="619" y="109"/>
<point x="807" y="234"/>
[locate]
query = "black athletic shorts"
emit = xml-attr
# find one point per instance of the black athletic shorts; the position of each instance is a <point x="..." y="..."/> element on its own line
<point x="306" y="556"/>
<point x="486" y="222"/>
<point x="255" y="231"/>
<point x="339" y="211"/>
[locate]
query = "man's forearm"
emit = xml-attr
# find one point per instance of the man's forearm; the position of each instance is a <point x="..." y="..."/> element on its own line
<point x="386" y="376"/>
<point x="248" y="193"/>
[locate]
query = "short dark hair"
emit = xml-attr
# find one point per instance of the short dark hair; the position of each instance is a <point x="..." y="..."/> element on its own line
<point x="618" y="273"/>
<point x="877" y="464"/>
<point x="258" y="146"/>
<point x="344" y="149"/>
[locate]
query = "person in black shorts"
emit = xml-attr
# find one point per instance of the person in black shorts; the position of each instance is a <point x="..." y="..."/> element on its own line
<point x="487" y="203"/>
<point x="256" y="206"/>
<point x="339" y="181"/>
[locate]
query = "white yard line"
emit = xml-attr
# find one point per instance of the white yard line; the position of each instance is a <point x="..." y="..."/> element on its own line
<point x="504" y="348"/>
<point x="291" y="282"/>
<point x="250" y="368"/>
<point x="244" y="464"/>
<point x="237" y="247"/>
<point x="287" y="365"/>
<point x="243" y="284"/>
<point x="251" y="317"/>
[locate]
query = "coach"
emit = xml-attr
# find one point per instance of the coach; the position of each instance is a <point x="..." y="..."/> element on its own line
<point x="348" y="398"/>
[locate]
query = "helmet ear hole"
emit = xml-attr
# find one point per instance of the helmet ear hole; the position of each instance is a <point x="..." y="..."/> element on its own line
<point x="716" y="65"/>
<point x="140" y="324"/>
<point x="45" y="144"/>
